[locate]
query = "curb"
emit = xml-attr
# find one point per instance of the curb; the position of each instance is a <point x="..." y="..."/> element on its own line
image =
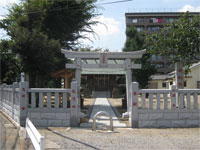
<point x="118" y="115"/>
<point x="90" y="109"/>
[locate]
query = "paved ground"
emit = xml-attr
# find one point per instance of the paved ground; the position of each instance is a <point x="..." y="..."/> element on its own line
<point x="122" y="139"/>
<point x="10" y="136"/>
<point x="102" y="104"/>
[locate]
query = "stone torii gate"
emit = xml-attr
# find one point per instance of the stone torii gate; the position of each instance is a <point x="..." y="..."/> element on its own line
<point x="103" y="62"/>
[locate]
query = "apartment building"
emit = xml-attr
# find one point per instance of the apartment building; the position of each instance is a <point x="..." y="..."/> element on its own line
<point x="153" y="22"/>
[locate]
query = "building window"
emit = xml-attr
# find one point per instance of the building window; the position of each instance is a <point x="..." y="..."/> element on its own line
<point x="134" y="20"/>
<point x="140" y="29"/>
<point x="171" y="83"/>
<point x="170" y="65"/>
<point x="154" y="20"/>
<point x="185" y="84"/>
<point x="159" y="57"/>
<point x="153" y="28"/>
<point x="159" y="65"/>
<point x="141" y="20"/>
<point x="198" y="84"/>
<point x="164" y="85"/>
<point x="153" y="57"/>
<point x="170" y="20"/>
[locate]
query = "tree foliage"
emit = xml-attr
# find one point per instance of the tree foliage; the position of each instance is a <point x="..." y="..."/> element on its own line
<point x="10" y="64"/>
<point x="40" y="28"/>
<point x="180" y="40"/>
<point x="136" y="41"/>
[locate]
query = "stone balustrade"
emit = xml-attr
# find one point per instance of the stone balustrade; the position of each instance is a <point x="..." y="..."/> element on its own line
<point x="154" y="108"/>
<point x="45" y="107"/>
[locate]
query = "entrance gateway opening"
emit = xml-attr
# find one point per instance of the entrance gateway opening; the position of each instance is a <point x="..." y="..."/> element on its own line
<point x="106" y="64"/>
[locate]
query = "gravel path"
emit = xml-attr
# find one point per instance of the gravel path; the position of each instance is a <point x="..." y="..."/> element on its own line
<point x="122" y="139"/>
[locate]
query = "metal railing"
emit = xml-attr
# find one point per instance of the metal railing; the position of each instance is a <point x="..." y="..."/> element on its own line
<point x="100" y="113"/>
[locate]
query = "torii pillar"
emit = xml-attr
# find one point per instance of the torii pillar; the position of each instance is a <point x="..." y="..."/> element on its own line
<point x="128" y="65"/>
<point x="78" y="79"/>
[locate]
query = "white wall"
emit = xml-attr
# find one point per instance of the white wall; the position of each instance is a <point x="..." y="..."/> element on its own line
<point x="192" y="82"/>
<point x="159" y="84"/>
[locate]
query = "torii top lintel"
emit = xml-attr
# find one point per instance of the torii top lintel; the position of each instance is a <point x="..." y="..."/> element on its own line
<point x="110" y="55"/>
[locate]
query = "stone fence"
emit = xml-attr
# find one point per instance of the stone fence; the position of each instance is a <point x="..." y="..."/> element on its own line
<point x="45" y="107"/>
<point x="10" y="100"/>
<point x="171" y="108"/>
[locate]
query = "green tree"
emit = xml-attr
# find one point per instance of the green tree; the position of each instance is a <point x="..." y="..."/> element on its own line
<point x="40" y="28"/>
<point x="180" y="40"/>
<point x="135" y="41"/>
<point x="10" y="65"/>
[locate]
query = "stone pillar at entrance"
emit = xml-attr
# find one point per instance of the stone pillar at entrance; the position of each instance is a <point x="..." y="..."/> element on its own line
<point x="78" y="79"/>
<point x="179" y="75"/>
<point x="179" y="81"/>
<point x="128" y="81"/>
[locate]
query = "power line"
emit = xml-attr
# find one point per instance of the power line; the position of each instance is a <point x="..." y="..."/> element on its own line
<point x="115" y="2"/>
<point x="78" y="8"/>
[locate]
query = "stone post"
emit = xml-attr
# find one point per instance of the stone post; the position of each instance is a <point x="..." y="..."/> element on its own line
<point x="179" y="75"/>
<point x="134" y="119"/>
<point x="179" y="80"/>
<point x="15" y="85"/>
<point x="1" y="92"/>
<point x="173" y="96"/>
<point x="22" y="77"/>
<point x="23" y="87"/>
<point x="1" y="96"/>
<point x="74" y="110"/>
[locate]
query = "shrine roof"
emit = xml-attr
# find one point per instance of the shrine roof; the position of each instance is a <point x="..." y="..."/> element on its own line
<point x="103" y="71"/>
<point x="111" y="55"/>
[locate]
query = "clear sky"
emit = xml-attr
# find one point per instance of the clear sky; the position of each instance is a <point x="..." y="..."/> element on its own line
<point x="111" y="35"/>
